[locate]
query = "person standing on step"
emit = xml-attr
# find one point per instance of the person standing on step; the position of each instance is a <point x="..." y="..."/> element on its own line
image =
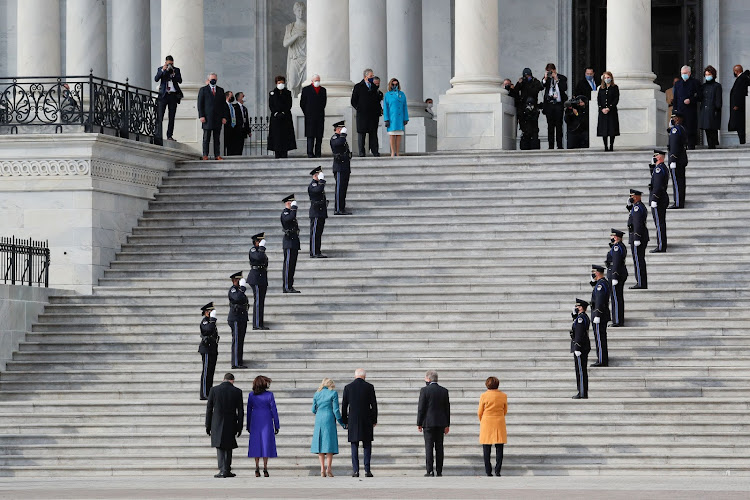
<point x="737" y="101"/>
<point x="291" y="243"/>
<point x="580" y="346"/>
<point x="212" y="113"/>
<point x="638" y="238"/>
<point x="366" y="100"/>
<point x="617" y="274"/>
<point x="607" y="98"/>
<point x="170" y="95"/>
<point x="555" y="95"/>
<point x="685" y="93"/>
<point x="341" y="166"/>
<point x="208" y="348"/>
<point x="359" y="411"/>
<point x="600" y="313"/>
<point x="659" y="199"/>
<point x="225" y="414"/>
<point x="313" y="104"/>
<point x="433" y="420"/>
<point x="257" y="278"/>
<point x="493" y="406"/>
<point x="318" y="211"/>
<point x="237" y="319"/>
<point x="678" y="159"/>
<point x="281" y="138"/>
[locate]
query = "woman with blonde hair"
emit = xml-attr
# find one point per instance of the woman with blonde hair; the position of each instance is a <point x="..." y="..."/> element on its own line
<point x="609" y="122"/>
<point x="325" y="441"/>
<point x="493" y="405"/>
<point x="395" y="114"/>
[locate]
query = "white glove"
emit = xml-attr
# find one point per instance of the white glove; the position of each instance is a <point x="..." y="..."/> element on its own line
<point x="614" y="282"/>
<point x="294" y="203"/>
<point x="262" y="243"/>
<point x="321" y="177"/>
<point x="673" y="165"/>
<point x="577" y="353"/>
<point x="243" y="283"/>
<point x="343" y="130"/>
<point x="597" y="320"/>
<point x="213" y="313"/>
<point x="637" y="243"/>
<point x="653" y="204"/>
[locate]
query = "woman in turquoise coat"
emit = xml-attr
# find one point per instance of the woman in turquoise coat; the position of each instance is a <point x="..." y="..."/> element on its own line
<point x="325" y="441"/>
<point x="395" y="114"/>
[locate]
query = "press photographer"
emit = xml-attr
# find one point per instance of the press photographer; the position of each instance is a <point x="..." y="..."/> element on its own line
<point x="577" y="119"/>
<point x="555" y="94"/>
<point x="170" y="96"/>
<point x="526" y="94"/>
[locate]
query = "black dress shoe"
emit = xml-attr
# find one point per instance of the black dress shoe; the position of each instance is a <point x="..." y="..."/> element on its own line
<point x="672" y="207"/>
<point x="356" y="474"/>
<point x="429" y="474"/>
<point x="294" y="290"/>
<point x="439" y="474"/>
<point x="310" y="156"/>
<point x="345" y="213"/>
<point x="489" y="474"/>
<point x="636" y="287"/>
<point x="616" y="325"/>
<point x="220" y="474"/>
<point x="321" y="256"/>
<point x="376" y="155"/>
<point x="596" y="364"/>
<point x="204" y="399"/>
<point x="256" y="328"/>
<point x="577" y="396"/>
<point x="240" y="367"/>
<point x="337" y="213"/>
<point x="368" y="473"/>
<point x="656" y="250"/>
<point x="264" y="328"/>
<point x="231" y="474"/>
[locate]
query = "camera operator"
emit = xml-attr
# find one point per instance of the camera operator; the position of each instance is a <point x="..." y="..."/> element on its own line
<point x="526" y="94"/>
<point x="170" y="95"/>
<point x="577" y="118"/>
<point x="555" y="94"/>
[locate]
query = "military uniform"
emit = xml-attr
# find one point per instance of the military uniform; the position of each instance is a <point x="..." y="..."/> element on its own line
<point x="638" y="233"/>
<point x="341" y="169"/>
<point x="617" y="274"/>
<point x="318" y="212"/>
<point x="290" y="243"/>
<point x="659" y="201"/>
<point x="257" y="278"/>
<point x="579" y="342"/>
<point x="600" y="316"/>
<point x="237" y="320"/>
<point x="678" y="160"/>
<point x="208" y="349"/>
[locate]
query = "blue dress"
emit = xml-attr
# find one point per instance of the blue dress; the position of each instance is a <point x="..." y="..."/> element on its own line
<point x="395" y="110"/>
<point x="326" y="409"/>
<point x="262" y="420"/>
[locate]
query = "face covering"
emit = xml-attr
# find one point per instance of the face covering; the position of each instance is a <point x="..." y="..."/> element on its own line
<point x="685" y="77"/>
<point x="280" y="86"/>
<point x="590" y="78"/>
<point x="316" y="84"/>
<point x="394" y="86"/>
<point x="371" y="79"/>
<point x="607" y="81"/>
<point x="426" y="382"/>
<point x="593" y="276"/>
<point x="231" y="99"/>
<point x="655" y="160"/>
<point x="612" y="240"/>
<point x="709" y="78"/>
<point x="212" y="81"/>
<point x="429" y="105"/>
<point x="528" y="78"/>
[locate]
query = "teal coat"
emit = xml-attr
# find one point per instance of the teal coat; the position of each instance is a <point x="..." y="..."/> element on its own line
<point x="395" y="110"/>
<point x="326" y="409"/>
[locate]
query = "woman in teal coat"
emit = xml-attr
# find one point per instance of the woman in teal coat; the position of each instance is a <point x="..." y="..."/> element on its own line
<point x="325" y="441"/>
<point x="395" y="114"/>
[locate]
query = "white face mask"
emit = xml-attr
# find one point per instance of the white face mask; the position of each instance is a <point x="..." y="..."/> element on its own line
<point x="607" y="81"/>
<point x="316" y="84"/>
<point x="429" y="105"/>
<point x="280" y="86"/>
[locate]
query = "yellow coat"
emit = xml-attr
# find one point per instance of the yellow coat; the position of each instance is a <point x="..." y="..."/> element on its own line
<point x="493" y="405"/>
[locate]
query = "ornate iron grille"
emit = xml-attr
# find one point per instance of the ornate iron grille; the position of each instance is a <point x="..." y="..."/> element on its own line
<point x="24" y="262"/>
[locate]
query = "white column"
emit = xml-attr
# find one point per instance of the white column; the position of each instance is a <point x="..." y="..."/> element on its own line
<point x="131" y="43"/>
<point x="367" y="39"/>
<point x="86" y="37"/>
<point x="38" y="31"/>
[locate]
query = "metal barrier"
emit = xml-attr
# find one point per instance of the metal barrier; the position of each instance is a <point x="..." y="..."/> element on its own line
<point x="25" y="262"/>
<point x="256" y="145"/>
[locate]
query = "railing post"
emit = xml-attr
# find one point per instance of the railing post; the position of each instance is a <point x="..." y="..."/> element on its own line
<point x="90" y="121"/>
<point x="13" y="255"/>
<point x="46" y="264"/>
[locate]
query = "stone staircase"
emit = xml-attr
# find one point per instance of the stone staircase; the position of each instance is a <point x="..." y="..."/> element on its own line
<point x="464" y="264"/>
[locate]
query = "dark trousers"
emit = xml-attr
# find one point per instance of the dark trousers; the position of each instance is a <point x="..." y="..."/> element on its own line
<point x="169" y="101"/>
<point x="600" y="338"/>
<point x="554" y="113"/>
<point x="313" y="146"/>
<point x="225" y="460"/>
<point x="367" y="447"/>
<point x="639" y="262"/>
<point x="317" y="224"/>
<point x="678" y="185"/>
<point x="374" y="147"/>
<point x="259" y="304"/>
<point x="230" y="139"/>
<point x="280" y="154"/>
<point x="207" y="374"/>
<point x="433" y="438"/>
<point x="660" y="222"/>
<point x="712" y="137"/>
<point x="342" y="184"/>
<point x="618" y="304"/>
<point x="582" y="376"/>
<point x="216" y="133"/>
<point x="290" y="265"/>
<point x="741" y="134"/>
<point x="487" y="449"/>
<point x="239" y="328"/>
<point x="578" y="140"/>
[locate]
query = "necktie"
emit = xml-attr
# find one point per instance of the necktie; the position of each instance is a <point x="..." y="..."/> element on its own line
<point x="213" y="90"/>
<point x="231" y="112"/>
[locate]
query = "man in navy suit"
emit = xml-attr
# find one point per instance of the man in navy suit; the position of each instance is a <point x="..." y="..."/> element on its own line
<point x="170" y="95"/>
<point x="433" y="420"/>
<point x="213" y="113"/>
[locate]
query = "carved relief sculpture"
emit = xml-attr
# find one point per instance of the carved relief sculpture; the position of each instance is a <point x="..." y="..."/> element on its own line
<point x="295" y="40"/>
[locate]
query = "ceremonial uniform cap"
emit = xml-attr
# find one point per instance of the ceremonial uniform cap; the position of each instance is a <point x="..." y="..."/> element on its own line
<point x="659" y="152"/>
<point x="678" y="114"/>
<point x="582" y="303"/>
<point x="316" y="170"/>
<point x="236" y="275"/>
<point x="636" y="192"/>
<point x="288" y="198"/>
<point x="595" y="267"/>
<point x="208" y="307"/>
<point x="259" y="236"/>
<point x="617" y="233"/>
<point x="339" y="124"/>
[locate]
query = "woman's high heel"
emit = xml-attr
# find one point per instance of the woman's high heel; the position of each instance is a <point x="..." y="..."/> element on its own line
<point x="330" y="473"/>
<point x="265" y="473"/>
<point x="257" y="472"/>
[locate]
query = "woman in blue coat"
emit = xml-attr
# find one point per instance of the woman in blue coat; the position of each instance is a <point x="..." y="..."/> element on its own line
<point x="325" y="440"/>
<point x="262" y="423"/>
<point x="395" y="114"/>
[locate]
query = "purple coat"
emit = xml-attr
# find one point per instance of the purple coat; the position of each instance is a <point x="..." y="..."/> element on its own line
<point x="262" y="421"/>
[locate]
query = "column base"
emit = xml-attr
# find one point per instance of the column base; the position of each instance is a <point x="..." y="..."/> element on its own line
<point x="643" y="123"/>
<point x="337" y="109"/>
<point x="420" y="136"/>
<point x="476" y="122"/>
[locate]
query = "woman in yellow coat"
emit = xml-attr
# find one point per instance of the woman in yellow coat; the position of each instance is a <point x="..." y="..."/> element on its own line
<point x="493" y="405"/>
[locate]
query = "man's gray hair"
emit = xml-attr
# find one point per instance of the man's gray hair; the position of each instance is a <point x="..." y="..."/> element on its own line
<point x="687" y="68"/>
<point x="315" y="76"/>
<point x="368" y="70"/>
<point x="431" y="375"/>
<point x="212" y="74"/>
<point x="360" y="373"/>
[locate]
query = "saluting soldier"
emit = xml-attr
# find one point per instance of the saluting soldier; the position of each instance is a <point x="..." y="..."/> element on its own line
<point x="678" y="159"/>
<point x="208" y="348"/>
<point x="617" y="274"/>
<point x="257" y="278"/>
<point x="290" y="244"/>
<point x="659" y="199"/>
<point x="238" y="305"/>
<point x="341" y="166"/>
<point x="600" y="313"/>
<point x="638" y="238"/>
<point x="580" y="346"/>
<point x="318" y="211"/>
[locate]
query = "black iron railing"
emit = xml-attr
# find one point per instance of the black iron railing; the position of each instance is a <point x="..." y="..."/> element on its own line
<point x="256" y="145"/>
<point x="74" y="102"/>
<point x="24" y="262"/>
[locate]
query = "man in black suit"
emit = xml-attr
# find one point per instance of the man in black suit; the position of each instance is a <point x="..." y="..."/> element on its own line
<point x="359" y="413"/>
<point x="213" y="113"/>
<point x="313" y="103"/>
<point x="224" y="419"/>
<point x="366" y="100"/>
<point x="433" y="420"/>
<point x="232" y="127"/>
<point x="169" y="78"/>
<point x="737" y="101"/>
<point x="555" y="95"/>
<point x="587" y="85"/>
<point x="245" y="132"/>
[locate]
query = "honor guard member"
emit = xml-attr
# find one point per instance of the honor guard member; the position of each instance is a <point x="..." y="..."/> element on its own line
<point x="580" y="346"/>
<point x="617" y="274"/>
<point x="318" y="211"/>
<point x="638" y="238"/>
<point x="257" y="278"/>
<point x="600" y="313"/>
<point x="208" y="348"/>
<point x="659" y="199"/>
<point x="238" y="305"/>
<point x="341" y="166"/>
<point x="678" y="159"/>
<point x="291" y="242"/>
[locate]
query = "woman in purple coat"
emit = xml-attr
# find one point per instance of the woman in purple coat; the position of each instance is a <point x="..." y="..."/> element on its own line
<point x="262" y="423"/>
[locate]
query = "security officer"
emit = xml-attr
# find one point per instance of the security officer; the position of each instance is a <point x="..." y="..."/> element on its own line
<point x="341" y="166"/>
<point x="678" y="160"/>
<point x="318" y="211"/>
<point x="208" y="348"/>
<point x="638" y="237"/>
<point x="659" y="199"/>
<point x="617" y="274"/>
<point x="580" y="346"/>
<point x="238" y="305"/>
<point x="291" y="242"/>
<point x="600" y="313"/>
<point x="257" y="278"/>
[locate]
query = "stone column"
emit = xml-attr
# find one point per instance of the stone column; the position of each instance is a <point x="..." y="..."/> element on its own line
<point x="39" y="30"/>
<point x="131" y="43"/>
<point x="477" y="113"/>
<point x="86" y="37"/>
<point x="367" y="39"/>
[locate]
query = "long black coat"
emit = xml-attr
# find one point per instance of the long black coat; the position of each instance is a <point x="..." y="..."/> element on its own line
<point x="212" y="107"/>
<point x="709" y="115"/>
<point x="434" y="408"/>
<point x="225" y="414"/>
<point x="281" y="130"/>
<point x="367" y="103"/>
<point x="583" y="88"/>
<point x="313" y="105"/>
<point x="687" y="89"/>
<point x="737" y="99"/>
<point x="609" y="124"/>
<point x="359" y="410"/>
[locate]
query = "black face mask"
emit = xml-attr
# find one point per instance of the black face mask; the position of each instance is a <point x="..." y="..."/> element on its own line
<point x="212" y="81"/>
<point x="427" y="382"/>
<point x="231" y="99"/>
<point x="631" y="200"/>
<point x="612" y="240"/>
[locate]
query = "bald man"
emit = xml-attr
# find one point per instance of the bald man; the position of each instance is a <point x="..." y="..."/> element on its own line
<point x="737" y="102"/>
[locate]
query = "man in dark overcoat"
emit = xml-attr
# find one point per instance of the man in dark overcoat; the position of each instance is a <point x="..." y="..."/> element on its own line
<point x="360" y="414"/>
<point x="366" y="100"/>
<point x="313" y="103"/>
<point x="685" y="93"/>
<point x="224" y="419"/>
<point x="737" y="102"/>
<point x="212" y="113"/>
